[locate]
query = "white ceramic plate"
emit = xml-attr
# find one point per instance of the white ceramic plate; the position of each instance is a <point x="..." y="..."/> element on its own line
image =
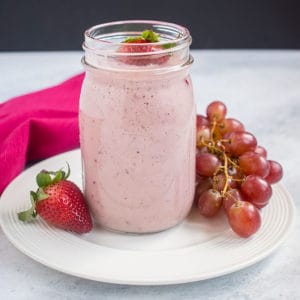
<point x="195" y="250"/>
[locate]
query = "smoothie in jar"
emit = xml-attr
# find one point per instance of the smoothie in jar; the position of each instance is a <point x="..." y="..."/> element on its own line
<point x="137" y="135"/>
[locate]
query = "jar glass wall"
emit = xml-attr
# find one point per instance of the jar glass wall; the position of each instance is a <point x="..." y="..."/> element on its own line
<point x="137" y="127"/>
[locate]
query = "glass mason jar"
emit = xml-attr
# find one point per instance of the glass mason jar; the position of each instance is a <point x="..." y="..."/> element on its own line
<point x="137" y="127"/>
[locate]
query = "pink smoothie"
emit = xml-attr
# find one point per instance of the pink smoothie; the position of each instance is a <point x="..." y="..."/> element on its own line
<point x="137" y="135"/>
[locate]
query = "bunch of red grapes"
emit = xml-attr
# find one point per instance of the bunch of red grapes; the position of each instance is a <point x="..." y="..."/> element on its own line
<point x="233" y="172"/>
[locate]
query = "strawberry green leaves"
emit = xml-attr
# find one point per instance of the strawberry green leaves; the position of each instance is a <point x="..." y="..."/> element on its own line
<point x="147" y="36"/>
<point x="45" y="178"/>
<point x="29" y="214"/>
<point x="168" y="46"/>
<point x="150" y="36"/>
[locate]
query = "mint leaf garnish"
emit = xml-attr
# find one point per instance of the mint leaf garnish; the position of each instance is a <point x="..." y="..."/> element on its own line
<point x="150" y="36"/>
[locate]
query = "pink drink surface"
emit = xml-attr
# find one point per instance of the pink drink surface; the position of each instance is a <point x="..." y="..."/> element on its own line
<point x="137" y="135"/>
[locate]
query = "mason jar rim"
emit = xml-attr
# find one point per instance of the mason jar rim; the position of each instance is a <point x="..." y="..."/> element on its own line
<point x="183" y="33"/>
<point x="103" y="43"/>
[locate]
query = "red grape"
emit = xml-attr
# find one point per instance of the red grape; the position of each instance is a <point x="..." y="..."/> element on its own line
<point x="237" y="177"/>
<point x="256" y="190"/>
<point x="240" y="142"/>
<point x="207" y="164"/>
<point x="201" y="149"/>
<point x="230" y="125"/>
<point x="244" y="218"/>
<point x="209" y="203"/>
<point x="261" y="151"/>
<point x="204" y="184"/>
<point x="275" y="173"/>
<point x="202" y="120"/>
<point x="230" y="198"/>
<point x="216" y="111"/>
<point x="203" y="132"/>
<point x="197" y="178"/>
<point x="252" y="163"/>
<point x="219" y="182"/>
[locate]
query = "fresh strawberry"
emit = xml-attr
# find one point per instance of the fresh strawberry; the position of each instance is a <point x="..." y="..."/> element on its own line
<point x="138" y="44"/>
<point x="59" y="202"/>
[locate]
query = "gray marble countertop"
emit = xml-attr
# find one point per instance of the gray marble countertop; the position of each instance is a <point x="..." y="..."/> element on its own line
<point x="262" y="89"/>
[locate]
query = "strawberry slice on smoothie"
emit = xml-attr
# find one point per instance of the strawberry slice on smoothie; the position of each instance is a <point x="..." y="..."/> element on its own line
<point x="143" y="43"/>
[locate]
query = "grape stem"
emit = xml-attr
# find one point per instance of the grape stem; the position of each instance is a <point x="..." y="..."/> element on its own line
<point x="225" y="158"/>
<point x="233" y="163"/>
<point x="213" y="129"/>
<point x="217" y="147"/>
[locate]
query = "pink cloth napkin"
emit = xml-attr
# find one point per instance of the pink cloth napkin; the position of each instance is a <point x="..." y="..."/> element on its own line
<point x="38" y="125"/>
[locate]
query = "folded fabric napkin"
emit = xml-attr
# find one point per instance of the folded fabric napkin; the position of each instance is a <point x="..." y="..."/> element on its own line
<point x="38" y="125"/>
